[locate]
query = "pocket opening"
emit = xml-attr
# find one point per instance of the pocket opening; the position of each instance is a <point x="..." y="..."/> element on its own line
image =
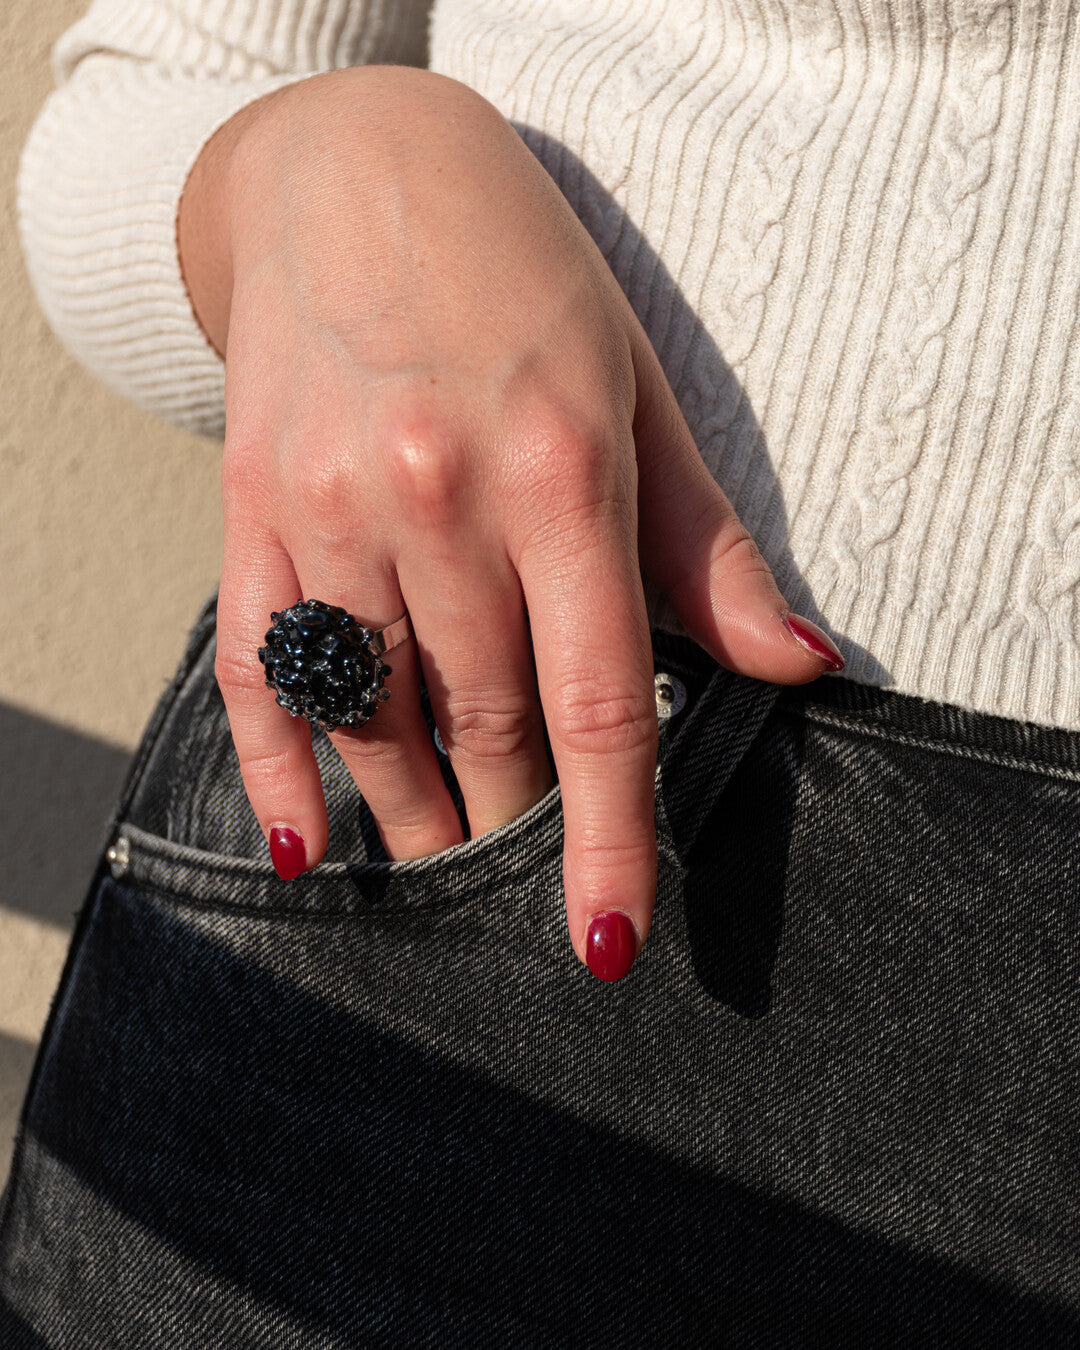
<point x="483" y="866"/>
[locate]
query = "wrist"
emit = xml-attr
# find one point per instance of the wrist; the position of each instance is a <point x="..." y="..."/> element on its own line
<point x="204" y="225"/>
<point x="318" y="165"/>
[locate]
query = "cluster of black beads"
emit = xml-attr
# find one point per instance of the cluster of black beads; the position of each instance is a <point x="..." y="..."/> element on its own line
<point x="318" y="659"/>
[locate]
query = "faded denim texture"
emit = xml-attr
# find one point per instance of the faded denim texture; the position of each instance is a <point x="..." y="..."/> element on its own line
<point x="835" y="1102"/>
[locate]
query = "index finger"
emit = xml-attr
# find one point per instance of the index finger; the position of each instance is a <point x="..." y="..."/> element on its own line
<point x="593" y="653"/>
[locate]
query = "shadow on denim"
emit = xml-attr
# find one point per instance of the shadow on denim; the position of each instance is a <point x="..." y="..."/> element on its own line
<point x="305" y="1162"/>
<point x="737" y="872"/>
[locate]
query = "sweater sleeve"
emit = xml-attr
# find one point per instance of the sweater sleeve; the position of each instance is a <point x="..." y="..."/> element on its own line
<point x="141" y="87"/>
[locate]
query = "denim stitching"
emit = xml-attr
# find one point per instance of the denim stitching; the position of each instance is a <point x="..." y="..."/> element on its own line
<point x="815" y="713"/>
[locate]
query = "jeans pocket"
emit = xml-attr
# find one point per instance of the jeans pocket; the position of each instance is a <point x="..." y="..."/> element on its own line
<point x="524" y="852"/>
<point x="186" y="828"/>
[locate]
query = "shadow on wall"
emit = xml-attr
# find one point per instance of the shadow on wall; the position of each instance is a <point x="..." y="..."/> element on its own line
<point x="57" y="788"/>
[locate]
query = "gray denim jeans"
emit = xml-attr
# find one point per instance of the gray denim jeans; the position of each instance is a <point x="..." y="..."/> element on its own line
<point x="834" y="1104"/>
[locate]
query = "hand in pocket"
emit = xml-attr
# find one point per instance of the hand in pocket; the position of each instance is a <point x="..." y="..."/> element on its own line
<point x="439" y="400"/>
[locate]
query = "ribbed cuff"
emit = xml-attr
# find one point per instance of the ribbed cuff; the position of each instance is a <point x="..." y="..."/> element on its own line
<point x="99" y="187"/>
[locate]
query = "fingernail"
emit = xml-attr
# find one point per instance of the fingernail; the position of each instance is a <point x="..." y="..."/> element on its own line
<point x="611" y="944"/>
<point x="814" y="640"/>
<point x="287" y="852"/>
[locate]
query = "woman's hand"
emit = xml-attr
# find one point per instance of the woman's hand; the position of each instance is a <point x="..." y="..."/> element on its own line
<point x="439" y="399"/>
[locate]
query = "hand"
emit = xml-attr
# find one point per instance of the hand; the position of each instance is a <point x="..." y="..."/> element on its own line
<point x="439" y="399"/>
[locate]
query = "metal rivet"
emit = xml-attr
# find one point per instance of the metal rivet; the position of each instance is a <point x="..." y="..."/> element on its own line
<point x="670" y="695"/>
<point x="118" y="856"/>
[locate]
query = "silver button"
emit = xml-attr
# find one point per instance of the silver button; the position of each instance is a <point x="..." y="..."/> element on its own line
<point x="670" y="695"/>
<point x="118" y="856"/>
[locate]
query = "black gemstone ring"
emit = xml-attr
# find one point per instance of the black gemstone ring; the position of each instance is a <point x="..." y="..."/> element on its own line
<point x="326" y="666"/>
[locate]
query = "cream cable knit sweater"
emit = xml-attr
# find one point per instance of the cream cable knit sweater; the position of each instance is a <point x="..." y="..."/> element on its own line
<point x="850" y="227"/>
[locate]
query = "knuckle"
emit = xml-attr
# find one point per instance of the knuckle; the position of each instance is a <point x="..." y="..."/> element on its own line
<point x="568" y="456"/>
<point x="736" y="556"/>
<point x="426" y="465"/>
<point x="737" y="552"/>
<point x="239" y="674"/>
<point x="603" y="850"/>
<point x="323" y="486"/>
<point x="379" y="753"/>
<point x="565" y="437"/>
<point x="569" y="479"/>
<point x="481" y="730"/>
<point x="243" y="475"/>
<point x="268" y="776"/>
<point x="598" y="721"/>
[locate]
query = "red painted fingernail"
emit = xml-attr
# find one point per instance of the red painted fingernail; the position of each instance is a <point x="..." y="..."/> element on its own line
<point x="814" y="640"/>
<point x="611" y="944"/>
<point x="287" y="852"/>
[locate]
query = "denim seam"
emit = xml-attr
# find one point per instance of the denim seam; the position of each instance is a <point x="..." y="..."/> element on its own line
<point x="138" y="888"/>
<point x="227" y="868"/>
<point x="357" y="906"/>
<point x="153" y="846"/>
<point x="814" y="714"/>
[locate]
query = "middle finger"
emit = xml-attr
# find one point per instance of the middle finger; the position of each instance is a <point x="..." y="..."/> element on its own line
<point x="469" y="617"/>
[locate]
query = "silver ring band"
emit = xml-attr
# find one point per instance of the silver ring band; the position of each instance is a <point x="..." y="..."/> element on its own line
<point x="393" y="635"/>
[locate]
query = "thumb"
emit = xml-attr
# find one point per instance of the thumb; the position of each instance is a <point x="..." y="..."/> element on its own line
<point x="695" y="548"/>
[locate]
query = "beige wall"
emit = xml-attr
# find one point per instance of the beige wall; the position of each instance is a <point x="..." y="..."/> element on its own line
<point x="109" y="540"/>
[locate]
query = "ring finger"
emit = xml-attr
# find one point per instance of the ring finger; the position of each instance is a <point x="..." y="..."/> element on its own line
<point x="392" y="759"/>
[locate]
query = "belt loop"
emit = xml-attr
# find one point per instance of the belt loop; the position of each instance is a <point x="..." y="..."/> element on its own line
<point x="701" y="758"/>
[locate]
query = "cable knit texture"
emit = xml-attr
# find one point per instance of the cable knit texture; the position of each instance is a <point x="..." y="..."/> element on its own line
<point x="851" y="230"/>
